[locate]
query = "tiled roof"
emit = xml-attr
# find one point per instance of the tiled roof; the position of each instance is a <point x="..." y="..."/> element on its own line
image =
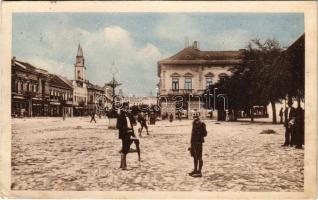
<point x="194" y="54"/>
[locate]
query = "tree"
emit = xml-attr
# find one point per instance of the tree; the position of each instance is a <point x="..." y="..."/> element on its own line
<point x="269" y="79"/>
<point x="256" y="81"/>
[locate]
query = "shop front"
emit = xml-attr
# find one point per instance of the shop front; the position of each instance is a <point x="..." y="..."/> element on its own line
<point x="55" y="109"/>
<point x="19" y="106"/>
<point x="37" y="107"/>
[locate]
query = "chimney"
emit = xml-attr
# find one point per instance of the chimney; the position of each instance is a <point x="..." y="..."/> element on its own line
<point x="195" y="44"/>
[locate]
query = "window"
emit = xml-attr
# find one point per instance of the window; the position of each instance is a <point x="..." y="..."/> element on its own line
<point x="175" y="84"/>
<point x="223" y="76"/>
<point x="188" y="84"/>
<point x="17" y="86"/>
<point x="208" y="81"/>
<point x="78" y="74"/>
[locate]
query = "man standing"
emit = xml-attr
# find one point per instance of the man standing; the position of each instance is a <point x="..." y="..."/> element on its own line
<point x="290" y="114"/>
<point x="299" y="127"/>
<point x="125" y="127"/>
<point x="93" y="116"/>
<point x="197" y="139"/>
<point x="143" y="123"/>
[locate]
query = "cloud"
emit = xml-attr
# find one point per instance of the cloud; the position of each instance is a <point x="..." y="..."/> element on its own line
<point x="52" y="66"/>
<point x="55" y="51"/>
<point x="116" y="36"/>
<point x="175" y="27"/>
<point x="229" y="40"/>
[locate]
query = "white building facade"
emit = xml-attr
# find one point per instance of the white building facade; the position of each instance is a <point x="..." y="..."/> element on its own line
<point x="188" y="74"/>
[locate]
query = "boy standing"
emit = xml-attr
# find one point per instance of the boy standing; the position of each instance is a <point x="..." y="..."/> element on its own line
<point x="197" y="138"/>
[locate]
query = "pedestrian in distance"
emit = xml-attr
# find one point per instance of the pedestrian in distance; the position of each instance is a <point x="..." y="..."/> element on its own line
<point x="171" y="118"/>
<point x="143" y="123"/>
<point x="197" y="139"/>
<point x="290" y="114"/>
<point x="179" y="115"/>
<point x="134" y="139"/>
<point x="166" y="115"/>
<point x="93" y="116"/>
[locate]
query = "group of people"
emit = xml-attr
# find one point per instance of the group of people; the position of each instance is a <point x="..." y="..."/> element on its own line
<point x="294" y="125"/>
<point x="127" y="127"/>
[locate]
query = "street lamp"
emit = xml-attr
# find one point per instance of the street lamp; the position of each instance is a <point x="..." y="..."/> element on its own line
<point x="112" y="115"/>
<point x="113" y="83"/>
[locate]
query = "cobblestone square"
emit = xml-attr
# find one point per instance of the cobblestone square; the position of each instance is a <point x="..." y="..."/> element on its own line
<point x="52" y="154"/>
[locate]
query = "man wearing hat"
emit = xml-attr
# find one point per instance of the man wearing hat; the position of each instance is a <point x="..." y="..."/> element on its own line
<point x="124" y="125"/>
<point x="197" y="139"/>
<point x="290" y="115"/>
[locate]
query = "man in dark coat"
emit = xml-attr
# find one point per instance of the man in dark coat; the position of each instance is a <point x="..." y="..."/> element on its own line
<point x="93" y="116"/>
<point x="197" y="139"/>
<point x="299" y="127"/>
<point x="124" y="125"/>
<point x="290" y="114"/>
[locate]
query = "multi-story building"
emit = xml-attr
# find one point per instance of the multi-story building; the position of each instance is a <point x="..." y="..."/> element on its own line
<point x="95" y="96"/>
<point x="29" y="90"/>
<point x="61" y="96"/>
<point x="188" y="73"/>
<point x="36" y="92"/>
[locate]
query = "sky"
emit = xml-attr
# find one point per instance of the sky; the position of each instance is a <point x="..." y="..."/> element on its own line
<point x="135" y="42"/>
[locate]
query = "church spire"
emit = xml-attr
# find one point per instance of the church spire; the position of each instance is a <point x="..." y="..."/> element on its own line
<point x="79" y="51"/>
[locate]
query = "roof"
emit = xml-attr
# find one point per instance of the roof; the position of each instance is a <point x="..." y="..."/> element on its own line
<point x="94" y="87"/>
<point x="68" y="82"/>
<point x="57" y="81"/>
<point x="79" y="51"/>
<point x="28" y="67"/>
<point x="298" y="44"/>
<point x="191" y="55"/>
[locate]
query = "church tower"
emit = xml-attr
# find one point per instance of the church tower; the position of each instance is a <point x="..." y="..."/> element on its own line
<point x="80" y="65"/>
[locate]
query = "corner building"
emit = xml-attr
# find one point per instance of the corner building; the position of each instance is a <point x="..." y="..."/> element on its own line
<point x="188" y="73"/>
